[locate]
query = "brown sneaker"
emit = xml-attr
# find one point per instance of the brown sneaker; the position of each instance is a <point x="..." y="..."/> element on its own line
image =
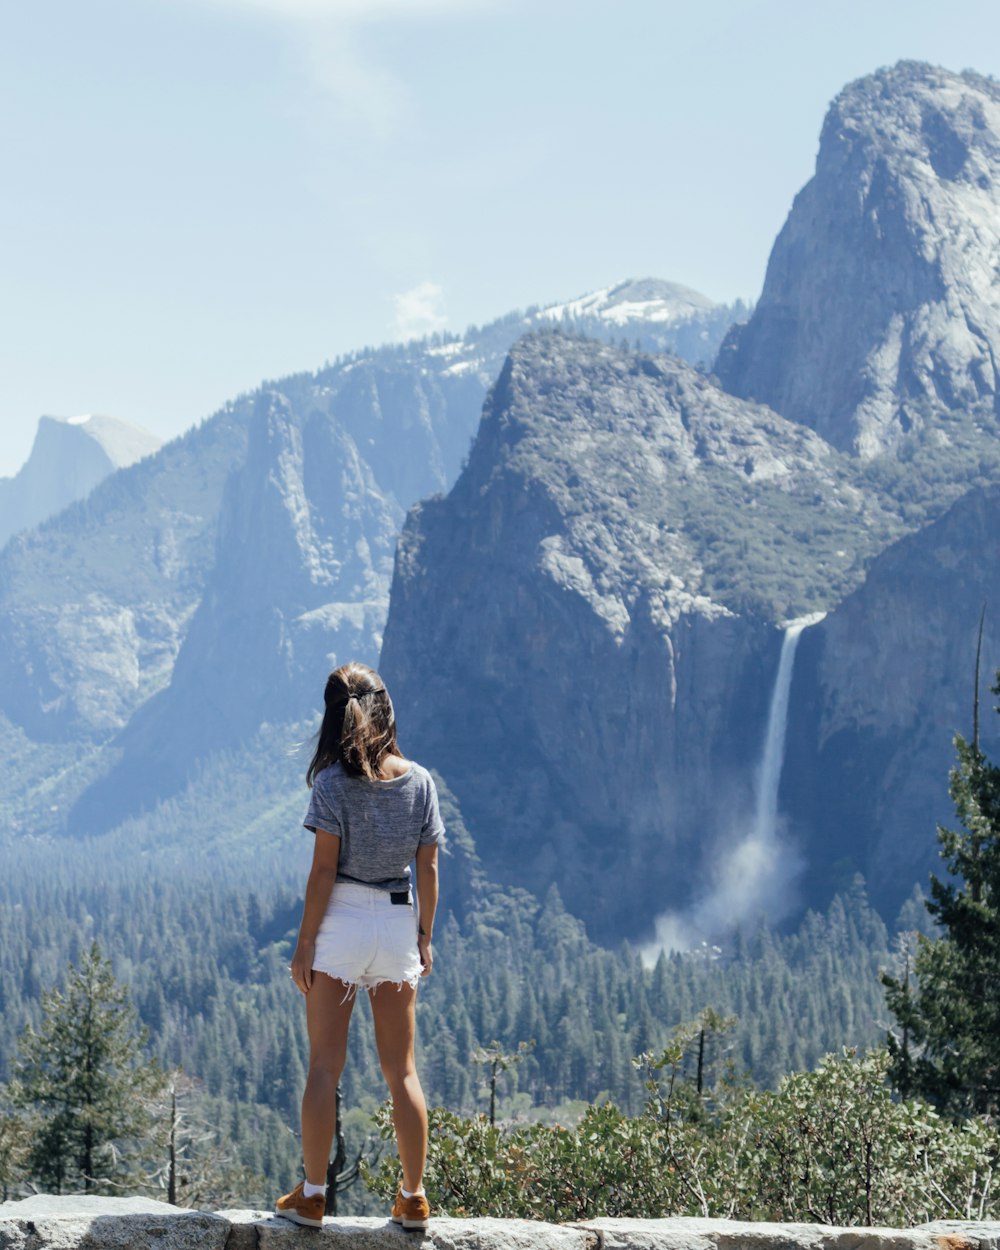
<point x="411" y="1212"/>
<point x="296" y="1206"/>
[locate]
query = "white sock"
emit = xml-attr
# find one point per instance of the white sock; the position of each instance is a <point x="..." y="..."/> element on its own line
<point x="311" y="1190"/>
<point x="406" y="1193"/>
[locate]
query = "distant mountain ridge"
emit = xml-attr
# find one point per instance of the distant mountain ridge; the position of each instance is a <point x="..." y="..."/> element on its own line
<point x="69" y="456"/>
<point x="183" y="603"/>
<point x="640" y="301"/>
<point x="299" y="582"/>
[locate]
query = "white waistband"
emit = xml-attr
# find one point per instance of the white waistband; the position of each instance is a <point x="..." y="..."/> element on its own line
<point x="356" y="892"/>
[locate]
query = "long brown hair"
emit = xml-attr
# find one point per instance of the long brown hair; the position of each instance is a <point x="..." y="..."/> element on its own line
<point x="359" y="725"/>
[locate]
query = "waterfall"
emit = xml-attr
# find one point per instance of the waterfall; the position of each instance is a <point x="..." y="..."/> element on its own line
<point x="754" y="870"/>
<point x="773" y="756"/>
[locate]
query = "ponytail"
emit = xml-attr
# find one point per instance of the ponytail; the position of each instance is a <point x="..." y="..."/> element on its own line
<point x="359" y="724"/>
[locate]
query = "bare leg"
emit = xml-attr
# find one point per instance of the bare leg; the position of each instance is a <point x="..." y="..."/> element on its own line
<point x="328" y="1016"/>
<point x="395" y="1029"/>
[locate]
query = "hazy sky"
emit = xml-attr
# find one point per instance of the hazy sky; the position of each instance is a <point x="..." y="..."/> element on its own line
<point x="200" y="194"/>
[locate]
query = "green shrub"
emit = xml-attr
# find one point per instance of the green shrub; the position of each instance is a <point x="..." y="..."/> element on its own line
<point x="829" y="1146"/>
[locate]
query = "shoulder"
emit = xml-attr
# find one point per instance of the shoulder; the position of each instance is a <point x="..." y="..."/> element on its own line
<point x="329" y="780"/>
<point x="421" y="776"/>
<point x="424" y="786"/>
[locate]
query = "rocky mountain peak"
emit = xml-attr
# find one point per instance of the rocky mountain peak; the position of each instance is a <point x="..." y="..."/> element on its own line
<point x="122" y="442"/>
<point x="637" y="300"/>
<point x="69" y="456"/>
<point x="880" y="313"/>
<point x="623" y="454"/>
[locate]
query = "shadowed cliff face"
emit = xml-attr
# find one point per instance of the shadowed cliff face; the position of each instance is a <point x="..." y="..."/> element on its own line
<point x="881" y="309"/>
<point x="300" y="584"/>
<point x="883" y="685"/>
<point x="94" y="604"/>
<point x="553" y="645"/>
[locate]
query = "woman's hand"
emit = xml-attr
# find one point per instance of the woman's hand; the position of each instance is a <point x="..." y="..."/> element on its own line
<point x="302" y="965"/>
<point x="427" y="895"/>
<point x="319" y="887"/>
<point x="426" y="956"/>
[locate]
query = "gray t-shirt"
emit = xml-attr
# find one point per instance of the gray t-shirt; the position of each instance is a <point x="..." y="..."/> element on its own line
<point x="380" y="823"/>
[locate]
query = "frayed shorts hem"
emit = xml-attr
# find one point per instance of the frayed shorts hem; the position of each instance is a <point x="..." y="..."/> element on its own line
<point x="369" y="983"/>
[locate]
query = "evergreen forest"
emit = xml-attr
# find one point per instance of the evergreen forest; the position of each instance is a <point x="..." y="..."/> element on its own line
<point x="205" y="957"/>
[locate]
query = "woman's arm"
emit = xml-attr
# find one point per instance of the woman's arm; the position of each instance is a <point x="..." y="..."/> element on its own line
<point x="427" y="897"/>
<point x="322" y="875"/>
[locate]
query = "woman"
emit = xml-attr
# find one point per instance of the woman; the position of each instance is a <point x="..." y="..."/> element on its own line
<point x="372" y="812"/>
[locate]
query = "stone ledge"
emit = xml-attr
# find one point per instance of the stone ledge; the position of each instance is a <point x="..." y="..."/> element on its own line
<point x="78" y="1222"/>
<point x="69" y="1221"/>
<point x="685" y="1233"/>
<point x="256" y="1230"/>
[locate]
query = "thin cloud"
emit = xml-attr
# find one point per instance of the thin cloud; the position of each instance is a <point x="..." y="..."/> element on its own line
<point x="419" y="311"/>
<point x="365" y="94"/>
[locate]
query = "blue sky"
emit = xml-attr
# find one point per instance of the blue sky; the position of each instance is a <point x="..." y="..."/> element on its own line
<point x="200" y="194"/>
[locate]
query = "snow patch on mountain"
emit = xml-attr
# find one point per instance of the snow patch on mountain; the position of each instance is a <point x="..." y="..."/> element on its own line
<point x="645" y="299"/>
<point x="121" y="441"/>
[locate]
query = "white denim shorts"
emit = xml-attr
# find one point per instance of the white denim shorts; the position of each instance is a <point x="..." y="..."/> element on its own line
<point x="365" y="939"/>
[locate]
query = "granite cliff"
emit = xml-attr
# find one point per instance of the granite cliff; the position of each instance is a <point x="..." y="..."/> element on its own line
<point x="882" y="686"/>
<point x="582" y="631"/>
<point x="69" y="456"/>
<point x="880" y="314"/>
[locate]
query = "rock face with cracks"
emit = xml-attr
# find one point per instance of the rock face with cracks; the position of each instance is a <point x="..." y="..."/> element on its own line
<point x="880" y="312"/>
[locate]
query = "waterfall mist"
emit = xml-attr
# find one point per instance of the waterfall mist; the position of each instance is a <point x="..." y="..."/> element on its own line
<point x="755" y="863"/>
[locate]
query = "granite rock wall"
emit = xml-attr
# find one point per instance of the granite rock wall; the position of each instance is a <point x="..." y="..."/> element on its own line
<point x="79" y="1222"/>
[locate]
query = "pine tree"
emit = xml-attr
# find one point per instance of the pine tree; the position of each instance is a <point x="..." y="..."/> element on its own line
<point x="15" y="1144"/>
<point x="947" y="1002"/>
<point x="84" y="1076"/>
